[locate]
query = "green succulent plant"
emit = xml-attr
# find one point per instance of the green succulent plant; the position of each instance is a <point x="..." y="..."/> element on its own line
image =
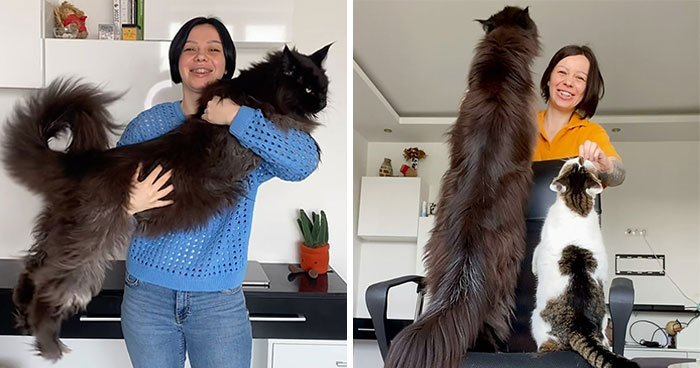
<point x="314" y="229"/>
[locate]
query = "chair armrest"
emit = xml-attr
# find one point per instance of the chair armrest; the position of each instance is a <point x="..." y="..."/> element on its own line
<point x="376" y="299"/>
<point x="621" y="303"/>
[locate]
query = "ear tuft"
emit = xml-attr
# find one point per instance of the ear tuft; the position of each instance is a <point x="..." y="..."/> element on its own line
<point x="557" y="187"/>
<point x="594" y="190"/>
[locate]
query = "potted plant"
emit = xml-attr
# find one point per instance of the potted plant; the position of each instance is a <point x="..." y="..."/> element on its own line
<point x="314" y="248"/>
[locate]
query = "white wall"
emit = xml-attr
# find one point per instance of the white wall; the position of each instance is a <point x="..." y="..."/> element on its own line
<point x="359" y="163"/>
<point x="274" y="237"/>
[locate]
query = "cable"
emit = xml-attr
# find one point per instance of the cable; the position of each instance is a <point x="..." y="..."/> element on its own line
<point x="666" y="272"/>
<point x="689" y="321"/>
<point x="644" y="342"/>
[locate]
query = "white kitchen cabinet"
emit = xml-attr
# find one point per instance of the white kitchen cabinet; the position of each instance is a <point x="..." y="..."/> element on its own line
<point x="306" y="353"/>
<point x="22" y="56"/>
<point x="390" y="208"/>
<point x="18" y="352"/>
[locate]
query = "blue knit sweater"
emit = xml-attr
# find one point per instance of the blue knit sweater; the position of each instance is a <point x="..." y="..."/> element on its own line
<point x="214" y="257"/>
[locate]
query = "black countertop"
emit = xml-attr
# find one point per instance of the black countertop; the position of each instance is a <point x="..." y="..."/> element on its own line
<point x="281" y="281"/>
<point x="294" y="306"/>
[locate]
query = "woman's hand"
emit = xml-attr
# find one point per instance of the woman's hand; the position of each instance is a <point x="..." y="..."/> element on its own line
<point x="220" y="112"/>
<point x="149" y="194"/>
<point x="591" y="152"/>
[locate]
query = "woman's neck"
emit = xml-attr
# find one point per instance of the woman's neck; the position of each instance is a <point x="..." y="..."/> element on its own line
<point x="189" y="103"/>
<point x="555" y="120"/>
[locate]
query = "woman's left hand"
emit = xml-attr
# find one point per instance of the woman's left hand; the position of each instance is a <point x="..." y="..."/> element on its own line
<point x="220" y="111"/>
<point x="591" y="152"/>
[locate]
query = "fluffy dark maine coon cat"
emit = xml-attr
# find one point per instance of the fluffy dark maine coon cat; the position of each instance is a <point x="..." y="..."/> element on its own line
<point x="571" y="266"/>
<point x="85" y="190"/>
<point x="473" y="256"/>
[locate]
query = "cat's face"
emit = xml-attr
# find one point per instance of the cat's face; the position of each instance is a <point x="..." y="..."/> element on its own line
<point x="510" y="16"/>
<point x="306" y="78"/>
<point x="577" y="176"/>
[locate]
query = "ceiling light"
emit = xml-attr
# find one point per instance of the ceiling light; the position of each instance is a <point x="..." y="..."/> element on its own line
<point x="387" y="130"/>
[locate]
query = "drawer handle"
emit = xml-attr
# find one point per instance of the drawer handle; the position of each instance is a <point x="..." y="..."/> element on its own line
<point x="99" y="319"/>
<point x="298" y="318"/>
<point x="339" y="363"/>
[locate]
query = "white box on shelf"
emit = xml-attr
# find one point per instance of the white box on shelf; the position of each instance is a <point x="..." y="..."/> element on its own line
<point x="390" y="208"/>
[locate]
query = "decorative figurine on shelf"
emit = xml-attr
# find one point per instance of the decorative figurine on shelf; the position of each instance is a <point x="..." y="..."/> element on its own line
<point x="314" y="249"/>
<point x="408" y="171"/>
<point x="432" y="208"/>
<point x="386" y="169"/>
<point x="412" y="154"/>
<point x="70" y="21"/>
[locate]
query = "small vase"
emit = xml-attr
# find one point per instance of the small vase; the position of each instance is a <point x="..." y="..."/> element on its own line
<point x="314" y="258"/>
<point x="386" y="169"/>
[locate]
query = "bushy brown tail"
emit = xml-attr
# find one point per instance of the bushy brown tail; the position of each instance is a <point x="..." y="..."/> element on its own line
<point x="66" y="105"/>
<point x="443" y="334"/>
<point x="598" y="355"/>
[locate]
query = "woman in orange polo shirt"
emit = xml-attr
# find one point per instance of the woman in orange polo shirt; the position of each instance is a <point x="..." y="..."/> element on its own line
<point x="572" y="85"/>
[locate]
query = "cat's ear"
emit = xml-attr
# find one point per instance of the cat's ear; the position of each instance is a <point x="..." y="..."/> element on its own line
<point x="487" y="25"/>
<point x="524" y="19"/>
<point x="557" y="186"/>
<point x="287" y="61"/>
<point x="595" y="189"/>
<point x="320" y="55"/>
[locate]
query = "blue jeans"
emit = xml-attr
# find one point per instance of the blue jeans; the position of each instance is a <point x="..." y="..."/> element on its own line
<point x="161" y="324"/>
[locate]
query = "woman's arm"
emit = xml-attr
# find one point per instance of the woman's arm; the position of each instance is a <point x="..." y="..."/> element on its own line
<point x="611" y="170"/>
<point x="290" y="155"/>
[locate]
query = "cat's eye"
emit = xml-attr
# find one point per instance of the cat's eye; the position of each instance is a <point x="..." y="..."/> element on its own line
<point x="308" y="90"/>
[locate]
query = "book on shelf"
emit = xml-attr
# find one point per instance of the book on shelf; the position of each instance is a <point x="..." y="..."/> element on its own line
<point x="128" y="19"/>
<point x="117" y="19"/>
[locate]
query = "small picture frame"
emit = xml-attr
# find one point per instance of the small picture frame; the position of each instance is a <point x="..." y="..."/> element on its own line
<point x="105" y="31"/>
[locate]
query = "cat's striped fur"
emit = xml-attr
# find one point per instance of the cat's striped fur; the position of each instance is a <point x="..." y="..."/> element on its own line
<point x="571" y="267"/>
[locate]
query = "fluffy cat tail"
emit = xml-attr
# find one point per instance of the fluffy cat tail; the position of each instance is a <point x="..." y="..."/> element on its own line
<point x="441" y="336"/>
<point x="597" y="355"/>
<point x="437" y="339"/>
<point x="65" y="105"/>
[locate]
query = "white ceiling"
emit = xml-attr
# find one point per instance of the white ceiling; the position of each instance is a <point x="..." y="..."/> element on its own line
<point x="412" y="58"/>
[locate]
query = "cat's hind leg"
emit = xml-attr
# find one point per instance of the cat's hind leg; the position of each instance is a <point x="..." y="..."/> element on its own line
<point x="540" y="329"/>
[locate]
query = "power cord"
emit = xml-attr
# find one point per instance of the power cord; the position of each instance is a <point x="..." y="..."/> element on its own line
<point x="650" y="343"/>
<point x="696" y="304"/>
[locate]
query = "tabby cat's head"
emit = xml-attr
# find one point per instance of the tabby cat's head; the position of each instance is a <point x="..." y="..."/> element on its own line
<point x="510" y="16"/>
<point x="577" y="184"/>
<point x="305" y="80"/>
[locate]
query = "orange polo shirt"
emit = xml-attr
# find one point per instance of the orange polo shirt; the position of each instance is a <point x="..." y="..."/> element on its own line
<point x="565" y="144"/>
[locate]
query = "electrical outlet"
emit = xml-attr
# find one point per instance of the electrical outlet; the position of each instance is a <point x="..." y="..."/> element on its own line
<point x="635" y="232"/>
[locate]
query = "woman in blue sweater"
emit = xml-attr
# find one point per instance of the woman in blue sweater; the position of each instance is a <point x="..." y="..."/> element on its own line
<point x="183" y="290"/>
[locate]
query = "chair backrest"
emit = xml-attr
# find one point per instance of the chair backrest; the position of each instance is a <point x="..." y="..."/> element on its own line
<point x="541" y="197"/>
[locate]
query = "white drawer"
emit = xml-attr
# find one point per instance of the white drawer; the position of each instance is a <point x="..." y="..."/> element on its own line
<point x="306" y="354"/>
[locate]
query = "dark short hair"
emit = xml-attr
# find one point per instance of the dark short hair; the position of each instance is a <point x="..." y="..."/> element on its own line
<point x="180" y="38"/>
<point x="595" y="88"/>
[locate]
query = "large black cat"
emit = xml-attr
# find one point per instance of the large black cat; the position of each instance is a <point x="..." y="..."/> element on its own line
<point x="478" y="242"/>
<point x="86" y="188"/>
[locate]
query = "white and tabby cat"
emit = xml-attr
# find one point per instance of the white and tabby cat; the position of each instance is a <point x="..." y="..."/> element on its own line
<point x="571" y="267"/>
